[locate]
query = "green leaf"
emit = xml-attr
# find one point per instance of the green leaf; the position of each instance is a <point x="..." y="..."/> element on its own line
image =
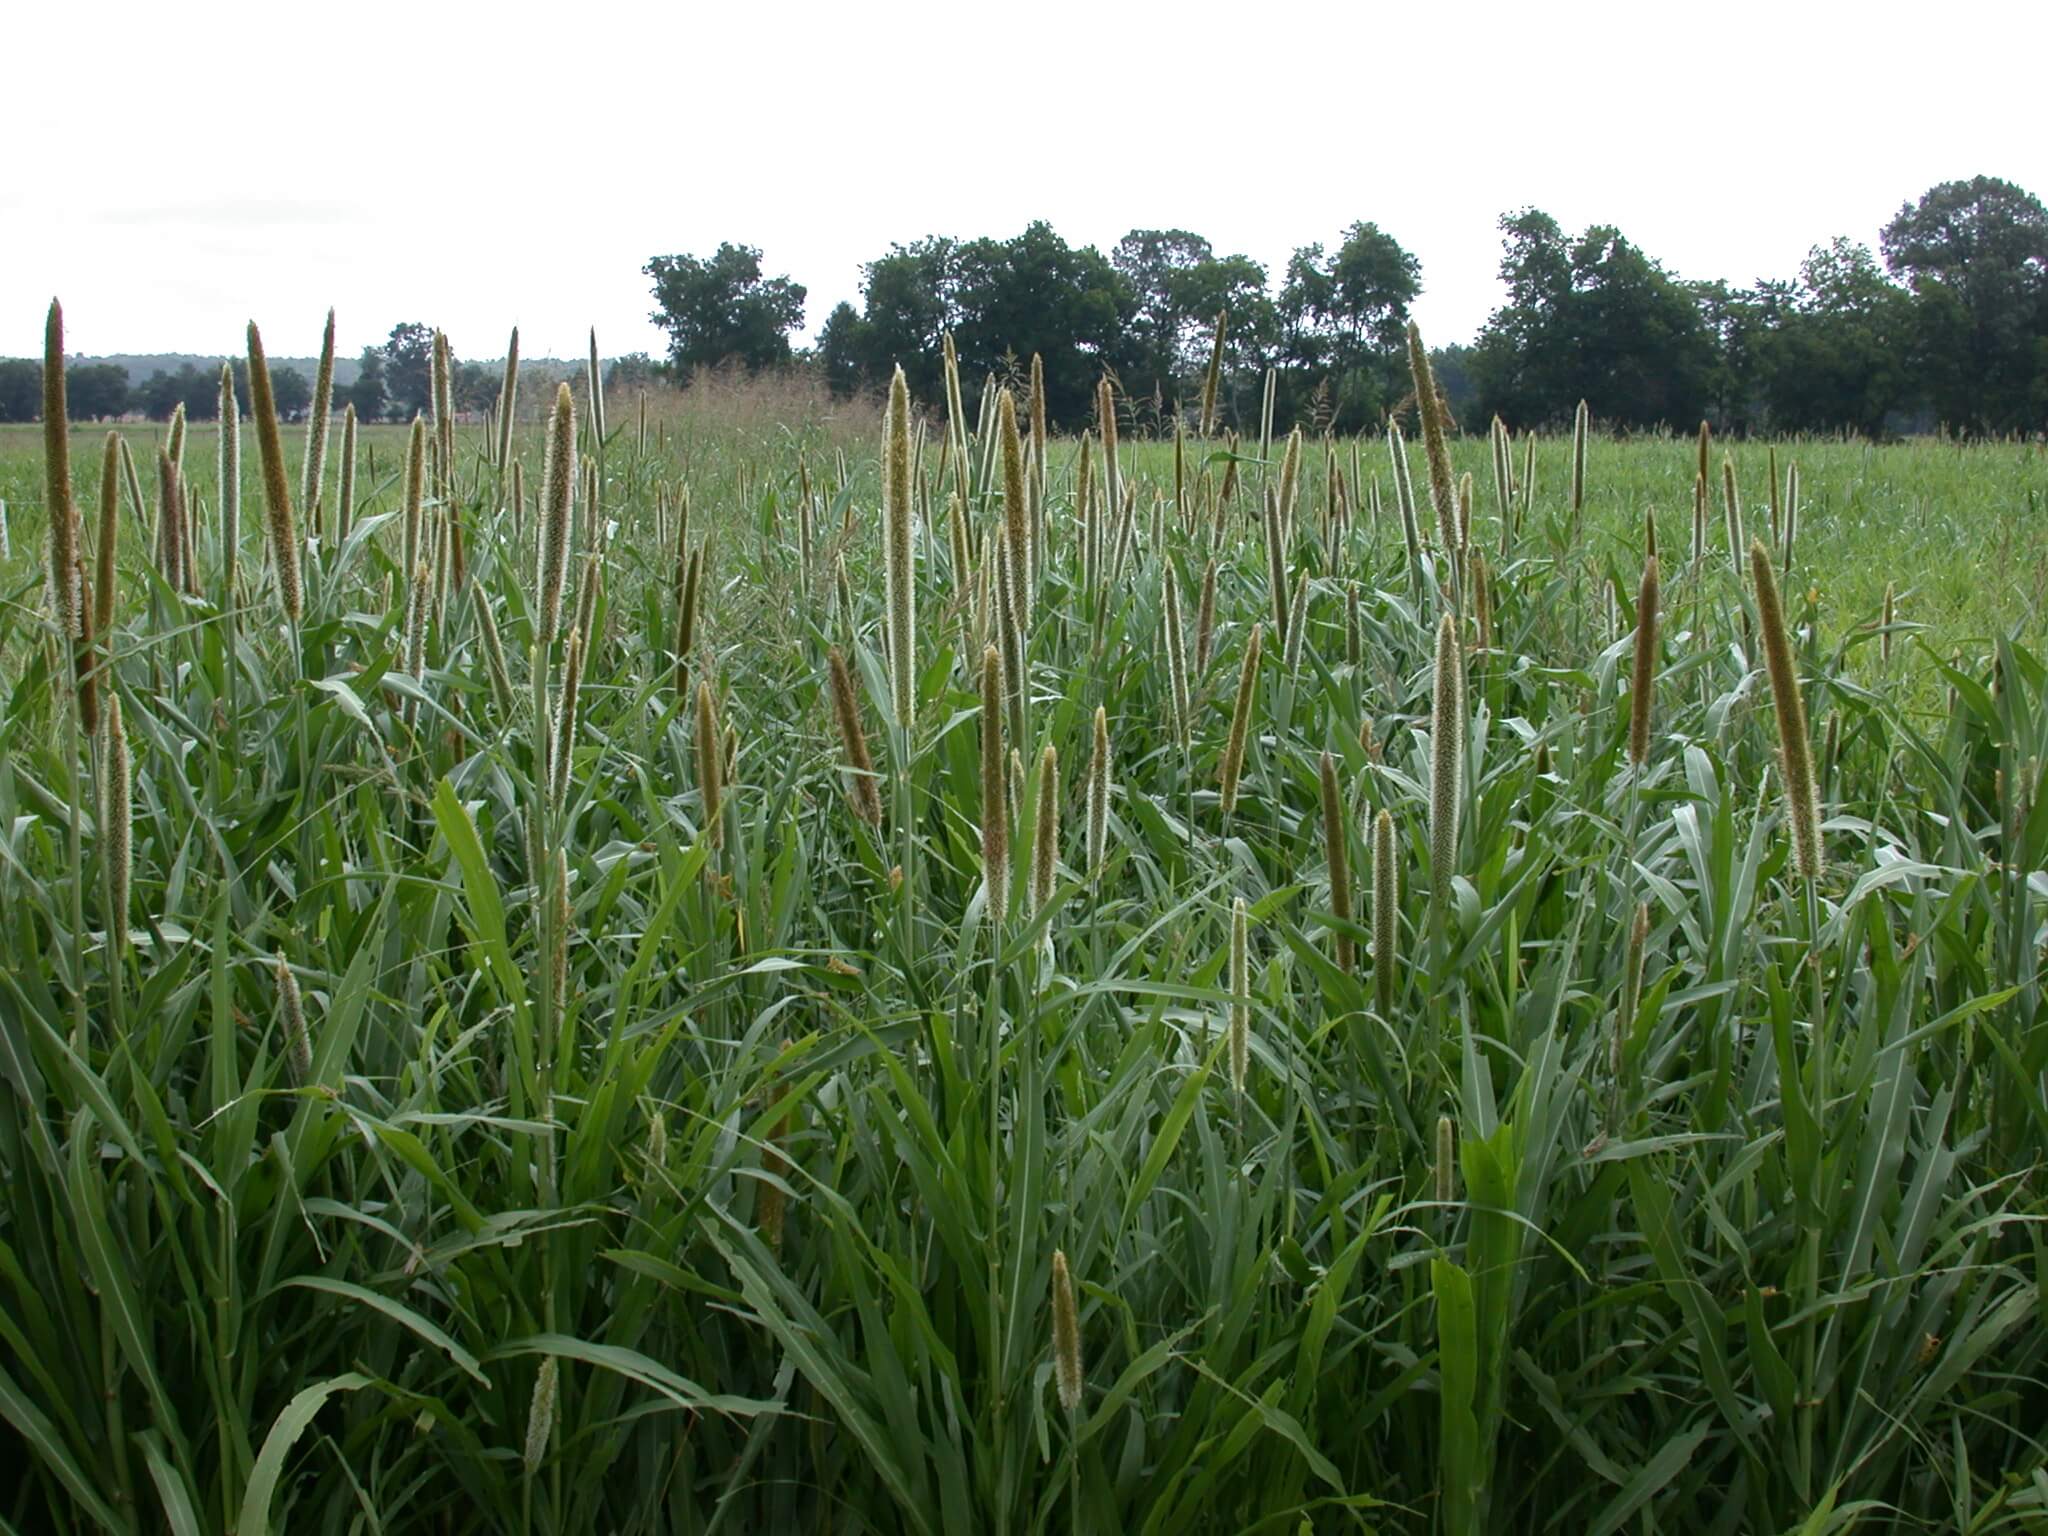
<point x="277" y="1445"/>
<point x="404" y="1316"/>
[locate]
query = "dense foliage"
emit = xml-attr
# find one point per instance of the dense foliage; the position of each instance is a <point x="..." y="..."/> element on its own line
<point x="474" y="1059"/>
<point x="723" y="310"/>
<point x="1950" y="331"/>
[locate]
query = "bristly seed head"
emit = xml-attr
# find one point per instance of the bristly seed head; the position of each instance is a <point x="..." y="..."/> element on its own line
<point x="1447" y="757"/>
<point x="995" y="802"/>
<point x="1240" y="724"/>
<point x="298" y="1046"/>
<point x="556" y="510"/>
<point x="1429" y="405"/>
<point x="57" y="504"/>
<point x="540" y="1415"/>
<point x="861" y="792"/>
<point x="109" y="540"/>
<point x="1066" y="1336"/>
<point x="1016" y="511"/>
<point x="508" y="401"/>
<point x="710" y="764"/>
<point x="897" y="563"/>
<point x="1386" y="894"/>
<point x="277" y="495"/>
<point x="1336" y="857"/>
<point x="316" y="429"/>
<point x="1795" y="749"/>
<point x="1045" y="836"/>
<point x="1642" y="678"/>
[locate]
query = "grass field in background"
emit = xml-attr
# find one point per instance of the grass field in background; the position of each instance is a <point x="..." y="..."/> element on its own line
<point x="668" y="1156"/>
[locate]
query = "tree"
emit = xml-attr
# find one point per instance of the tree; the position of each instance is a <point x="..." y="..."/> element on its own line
<point x="475" y="386"/>
<point x="367" y="392"/>
<point x="1034" y="293"/>
<point x="1234" y="286"/>
<point x="409" y="370"/>
<point x="1154" y="263"/>
<point x="633" y="372"/>
<point x="1179" y="286"/>
<point x="722" y="310"/>
<point x="842" y="349"/>
<point x="1839" y="355"/>
<point x="1003" y="300"/>
<point x="195" y="388"/>
<point x="1592" y="319"/>
<point x="1739" y="324"/>
<point x="290" y="391"/>
<point x="1342" y="323"/>
<point x="21" y="389"/>
<point x="96" y="391"/>
<point x="1975" y="254"/>
<point x="1373" y="281"/>
<point x="908" y="294"/>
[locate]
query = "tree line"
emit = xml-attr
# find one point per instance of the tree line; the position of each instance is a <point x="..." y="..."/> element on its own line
<point x="392" y="382"/>
<point x="1944" y="327"/>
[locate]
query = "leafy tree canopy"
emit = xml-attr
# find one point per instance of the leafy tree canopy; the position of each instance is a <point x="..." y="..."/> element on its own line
<point x="21" y="389"/>
<point x="96" y="391"/>
<point x="1975" y="254"/>
<point x="721" y="309"/>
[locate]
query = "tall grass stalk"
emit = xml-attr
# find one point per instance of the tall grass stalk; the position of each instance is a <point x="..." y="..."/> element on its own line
<point x="1240" y="995"/>
<point x="61" y="544"/>
<point x="1098" y="793"/>
<point x="861" y="793"/>
<point x="228" y="483"/>
<point x="995" y="809"/>
<point x="1045" y="832"/>
<point x="117" y="832"/>
<point x="1175" y="646"/>
<point x="710" y="767"/>
<point x="559" y="479"/>
<point x="1791" y="514"/>
<point x="277" y="495"/>
<point x="1436" y="453"/>
<point x="1643" y="672"/>
<point x="898" y="555"/>
<point x="1581" y="430"/>
<point x="508" y="403"/>
<point x="1105" y="426"/>
<point x="315" y="474"/>
<point x="565" y="725"/>
<point x="1386" y="917"/>
<point x="1731" y="512"/>
<point x="1336" y="858"/>
<point x="107" y="546"/>
<point x="1213" y="376"/>
<point x="1802" y="812"/>
<point x="1446" y="757"/>
<point x="1016" y="512"/>
<point x="1240" y="726"/>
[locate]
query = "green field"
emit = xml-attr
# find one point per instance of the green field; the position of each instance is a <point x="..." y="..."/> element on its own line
<point x="661" y="1157"/>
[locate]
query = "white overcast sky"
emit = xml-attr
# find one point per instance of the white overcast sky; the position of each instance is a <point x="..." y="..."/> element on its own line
<point x="176" y="170"/>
